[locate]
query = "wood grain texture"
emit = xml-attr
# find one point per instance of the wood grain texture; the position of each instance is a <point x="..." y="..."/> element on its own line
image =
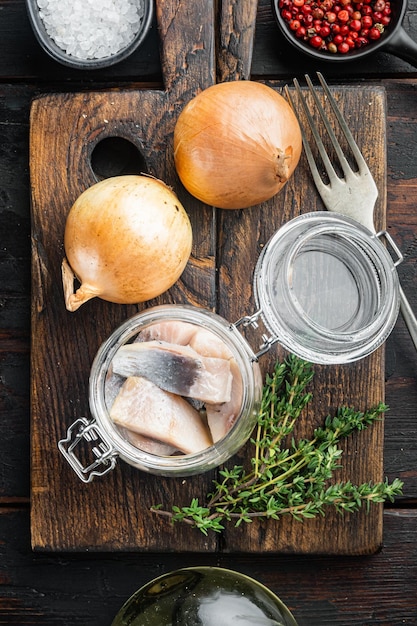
<point x="89" y="589"/>
<point x="113" y="513"/>
<point x="236" y="36"/>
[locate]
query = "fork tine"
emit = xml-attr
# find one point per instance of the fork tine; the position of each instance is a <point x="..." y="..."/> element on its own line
<point x="334" y="179"/>
<point x="307" y="148"/>
<point x="343" y="125"/>
<point x="339" y="152"/>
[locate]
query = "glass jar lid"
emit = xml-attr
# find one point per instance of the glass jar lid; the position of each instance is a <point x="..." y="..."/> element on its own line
<point x="327" y="288"/>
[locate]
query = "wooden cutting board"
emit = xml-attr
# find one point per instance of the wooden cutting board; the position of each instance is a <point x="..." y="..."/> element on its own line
<point x="77" y="138"/>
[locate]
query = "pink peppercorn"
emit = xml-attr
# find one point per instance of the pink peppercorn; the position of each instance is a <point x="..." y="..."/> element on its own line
<point x="337" y="25"/>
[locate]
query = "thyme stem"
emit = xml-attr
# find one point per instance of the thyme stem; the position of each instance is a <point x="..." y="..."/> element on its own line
<point x="292" y="479"/>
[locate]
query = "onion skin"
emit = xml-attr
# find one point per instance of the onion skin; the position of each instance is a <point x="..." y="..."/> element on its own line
<point x="236" y="144"/>
<point x="127" y="239"/>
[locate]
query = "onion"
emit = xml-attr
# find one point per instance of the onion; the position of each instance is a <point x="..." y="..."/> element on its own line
<point x="127" y="240"/>
<point x="236" y="144"/>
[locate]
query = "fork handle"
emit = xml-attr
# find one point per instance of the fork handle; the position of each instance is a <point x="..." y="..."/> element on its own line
<point x="408" y="316"/>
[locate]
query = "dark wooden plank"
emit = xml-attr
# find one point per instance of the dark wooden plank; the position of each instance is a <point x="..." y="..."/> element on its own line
<point x="88" y="590"/>
<point x="14" y="292"/>
<point x="237" y="21"/>
<point x="400" y="449"/>
<point x="64" y="130"/>
<point x="14" y="403"/>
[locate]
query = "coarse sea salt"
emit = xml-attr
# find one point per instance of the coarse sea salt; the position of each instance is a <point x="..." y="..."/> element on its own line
<point x="91" y="29"/>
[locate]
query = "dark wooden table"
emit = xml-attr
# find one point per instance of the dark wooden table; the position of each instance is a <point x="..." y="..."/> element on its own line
<point x="88" y="589"/>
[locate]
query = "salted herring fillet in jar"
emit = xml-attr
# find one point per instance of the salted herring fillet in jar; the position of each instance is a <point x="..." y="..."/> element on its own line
<point x="175" y="389"/>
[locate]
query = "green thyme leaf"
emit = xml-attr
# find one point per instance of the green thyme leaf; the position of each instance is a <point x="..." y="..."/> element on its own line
<point x="285" y="476"/>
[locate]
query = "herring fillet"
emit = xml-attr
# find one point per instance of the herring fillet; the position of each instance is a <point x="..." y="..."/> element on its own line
<point x="176" y="332"/>
<point x="144" y="408"/>
<point x="158" y="448"/>
<point x="221" y="416"/>
<point x="207" y="344"/>
<point x="177" y="369"/>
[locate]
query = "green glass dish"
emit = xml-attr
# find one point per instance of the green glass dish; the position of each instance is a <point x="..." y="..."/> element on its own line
<point x="204" y="596"/>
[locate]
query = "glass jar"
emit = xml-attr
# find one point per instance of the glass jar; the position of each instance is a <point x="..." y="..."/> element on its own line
<point x="326" y="289"/>
<point x="109" y="443"/>
<point x="209" y="596"/>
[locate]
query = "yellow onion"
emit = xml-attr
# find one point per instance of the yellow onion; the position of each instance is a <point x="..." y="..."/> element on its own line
<point x="127" y="239"/>
<point x="236" y="144"/>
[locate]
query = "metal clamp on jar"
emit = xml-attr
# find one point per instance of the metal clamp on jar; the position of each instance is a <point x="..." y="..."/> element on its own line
<point x="326" y="288"/>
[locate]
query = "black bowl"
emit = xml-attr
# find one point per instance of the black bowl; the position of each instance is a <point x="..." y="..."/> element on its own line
<point x="58" y="54"/>
<point x="394" y="40"/>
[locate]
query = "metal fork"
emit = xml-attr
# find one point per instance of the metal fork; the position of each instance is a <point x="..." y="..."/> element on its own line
<point x="355" y="194"/>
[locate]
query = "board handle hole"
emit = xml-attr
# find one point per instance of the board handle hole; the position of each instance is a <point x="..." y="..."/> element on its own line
<point x="116" y="156"/>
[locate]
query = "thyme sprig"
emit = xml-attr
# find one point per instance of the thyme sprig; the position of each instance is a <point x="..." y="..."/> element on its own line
<point x="287" y="476"/>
